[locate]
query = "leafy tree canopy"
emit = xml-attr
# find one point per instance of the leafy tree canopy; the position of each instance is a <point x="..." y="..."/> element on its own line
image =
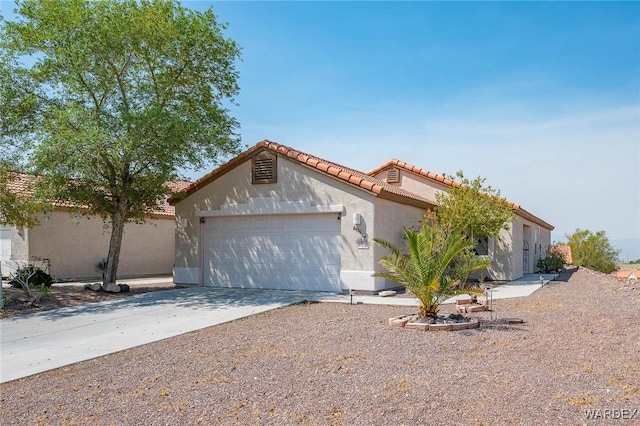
<point x="475" y="207"/>
<point x="19" y="113"/>
<point x="127" y="93"/>
<point x="15" y="209"/>
<point x="592" y="250"/>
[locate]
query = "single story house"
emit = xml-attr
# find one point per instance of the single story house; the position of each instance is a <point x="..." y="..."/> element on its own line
<point x="274" y="217"/>
<point x="514" y="253"/>
<point x="72" y="247"/>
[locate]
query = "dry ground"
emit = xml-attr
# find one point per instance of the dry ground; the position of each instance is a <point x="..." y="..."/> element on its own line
<point x="335" y="364"/>
<point x="64" y="296"/>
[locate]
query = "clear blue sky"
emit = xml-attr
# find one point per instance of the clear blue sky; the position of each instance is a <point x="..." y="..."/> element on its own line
<point x="540" y="98"/>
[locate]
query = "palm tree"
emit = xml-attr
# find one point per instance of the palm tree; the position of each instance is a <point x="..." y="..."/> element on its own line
<point x="428" y="268"/>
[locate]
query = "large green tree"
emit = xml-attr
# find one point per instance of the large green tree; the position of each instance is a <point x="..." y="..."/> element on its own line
<point x="475" y="207"/>
<point x="129" y="93"/>
<point x="592" y="250"/>
<point x="19" y="114"/>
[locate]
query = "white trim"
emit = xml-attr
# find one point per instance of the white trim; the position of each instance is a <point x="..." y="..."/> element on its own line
<point x="186" y="275"/>
<point x="361" y="280"/>
<point x="270" y="206"/>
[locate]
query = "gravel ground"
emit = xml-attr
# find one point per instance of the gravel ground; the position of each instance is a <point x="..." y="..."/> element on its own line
<point x="334" y="364"/>
<point x="63" y="296"/>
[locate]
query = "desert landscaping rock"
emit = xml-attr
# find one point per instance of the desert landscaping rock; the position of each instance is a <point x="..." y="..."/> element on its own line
<point x="93" y="287"/>
<point x="475" y="308"/>
<point x="112" y="288"/>
<point x="578" y="350"/>
<point x="399" y="322"/>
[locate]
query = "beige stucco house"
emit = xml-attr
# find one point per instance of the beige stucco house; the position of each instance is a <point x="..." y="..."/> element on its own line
<point x="71" y="246"/>
<point x="514" y="253"/>
<point x="275" y="217"/>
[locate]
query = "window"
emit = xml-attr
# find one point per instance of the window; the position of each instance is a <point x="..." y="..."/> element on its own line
<point x="264" y="168"/>
<point x="484" y="247"/>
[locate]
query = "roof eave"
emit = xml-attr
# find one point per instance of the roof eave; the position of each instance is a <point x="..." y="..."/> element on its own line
<point x="526" y="215"/>
<point x="397" y="198"/>
<point x="216" y="173"/>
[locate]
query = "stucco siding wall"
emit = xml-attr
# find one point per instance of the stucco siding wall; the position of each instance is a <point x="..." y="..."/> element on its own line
<point x="14" y="248"/>
<point x="538" y="239"/>
<point x="545" y="240"/>
<point x="75" y="246"/>
<point x="295" y="183"/>
<point x="414" y="183"/>
<point x="424" y="187"/>
<point x="391" y="219"/>
<point x="502" y="259"/>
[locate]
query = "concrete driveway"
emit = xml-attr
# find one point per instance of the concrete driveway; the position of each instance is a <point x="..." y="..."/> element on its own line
<point x="39" y="342"/>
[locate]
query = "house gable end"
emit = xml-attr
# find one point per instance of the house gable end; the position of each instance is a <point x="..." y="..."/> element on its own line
<point x="264" y="157"/>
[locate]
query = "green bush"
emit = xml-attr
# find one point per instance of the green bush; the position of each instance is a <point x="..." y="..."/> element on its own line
<point x="39" y="278"/>
<point x="593" y="250"/>
<point x="553" y="261"/>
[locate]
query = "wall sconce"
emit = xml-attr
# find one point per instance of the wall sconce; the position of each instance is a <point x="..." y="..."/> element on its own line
<point x="184" y="222"/>
<point x="357" y="221"/>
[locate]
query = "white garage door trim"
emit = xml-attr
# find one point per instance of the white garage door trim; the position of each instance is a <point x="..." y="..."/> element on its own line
<point x="270" y="206"/>
<point x="283" y="251"/>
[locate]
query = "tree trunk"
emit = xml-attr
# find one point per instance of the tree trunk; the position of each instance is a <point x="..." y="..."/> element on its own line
<point x="117" y="231"/>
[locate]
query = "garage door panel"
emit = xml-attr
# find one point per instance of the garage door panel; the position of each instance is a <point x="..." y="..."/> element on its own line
<point x="285" y="252"/>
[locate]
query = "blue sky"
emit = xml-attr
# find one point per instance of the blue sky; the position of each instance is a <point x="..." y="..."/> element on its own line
<point x="540" y="98"/>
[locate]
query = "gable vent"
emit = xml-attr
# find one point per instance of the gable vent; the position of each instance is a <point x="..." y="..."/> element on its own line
<point x="264" y="168"/>
<point x="393" y="176"/>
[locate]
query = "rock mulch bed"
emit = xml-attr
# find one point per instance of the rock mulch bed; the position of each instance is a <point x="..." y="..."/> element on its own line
<point x="453" y="322"/>
<point x="578" y="352"/>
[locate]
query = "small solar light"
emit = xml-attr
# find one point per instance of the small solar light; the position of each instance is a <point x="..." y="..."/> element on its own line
<point x="351" y="293"/>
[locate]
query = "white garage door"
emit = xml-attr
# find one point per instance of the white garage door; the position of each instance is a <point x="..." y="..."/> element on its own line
<point x="293" y="252"/>
<point x="5" y="249"/>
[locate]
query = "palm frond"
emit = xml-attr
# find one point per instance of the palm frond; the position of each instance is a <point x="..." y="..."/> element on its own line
<point x="426" y="267"/>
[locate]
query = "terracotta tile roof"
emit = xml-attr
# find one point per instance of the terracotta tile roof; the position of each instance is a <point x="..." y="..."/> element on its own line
<point x="23" y="184"/>
<point x="626" y="273"/>
<point x="401" y="164"/>
<point x="449" y="182"/>
<point x="351" y="176"/>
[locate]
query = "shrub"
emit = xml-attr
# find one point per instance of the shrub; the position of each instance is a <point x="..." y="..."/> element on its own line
<point x="39" y="278"/>
<point x="553" y="261"/>
<point x="429" y="267"/>
<point x="593" y="250"/>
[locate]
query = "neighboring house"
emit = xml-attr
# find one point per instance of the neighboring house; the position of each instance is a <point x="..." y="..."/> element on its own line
<point x="565" y="251"/>
<point x="72" y="246"/>
<point x="275" y="217"/>
<point x="628" y="274"/>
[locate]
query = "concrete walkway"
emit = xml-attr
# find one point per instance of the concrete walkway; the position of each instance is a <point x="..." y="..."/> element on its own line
<point x="43" y="341"/>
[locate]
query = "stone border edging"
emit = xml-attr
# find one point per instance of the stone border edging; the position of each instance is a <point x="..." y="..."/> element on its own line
<point x="400" y="322"/>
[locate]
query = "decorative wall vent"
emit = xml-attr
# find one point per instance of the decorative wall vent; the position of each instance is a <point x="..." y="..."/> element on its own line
<point x="264" y="168"/>
<point x="393" y="176"/>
